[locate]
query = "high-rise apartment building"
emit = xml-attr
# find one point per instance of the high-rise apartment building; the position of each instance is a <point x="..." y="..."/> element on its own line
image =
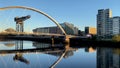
<point x="103" y="22"/>
<point x="115" y="25"/>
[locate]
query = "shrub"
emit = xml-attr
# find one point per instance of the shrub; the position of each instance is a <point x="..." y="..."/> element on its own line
<point x="116" y="38"/>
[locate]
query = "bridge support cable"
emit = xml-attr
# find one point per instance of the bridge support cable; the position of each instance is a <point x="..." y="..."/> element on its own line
<point x="5" y="19"/>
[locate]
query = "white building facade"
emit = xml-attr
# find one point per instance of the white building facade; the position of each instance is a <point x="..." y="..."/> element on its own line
<point x="115" y="25"/>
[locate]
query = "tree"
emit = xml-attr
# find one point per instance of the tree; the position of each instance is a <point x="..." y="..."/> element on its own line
<point x="116" y="38"/>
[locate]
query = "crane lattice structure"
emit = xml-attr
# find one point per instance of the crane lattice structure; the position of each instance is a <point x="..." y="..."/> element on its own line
<point x="20" y="23"/>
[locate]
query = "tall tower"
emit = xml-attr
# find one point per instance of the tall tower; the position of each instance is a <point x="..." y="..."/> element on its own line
<point x="103" y="22"/>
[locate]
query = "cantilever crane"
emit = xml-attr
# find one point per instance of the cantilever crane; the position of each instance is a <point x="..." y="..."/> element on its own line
<point x="19" y="23"/>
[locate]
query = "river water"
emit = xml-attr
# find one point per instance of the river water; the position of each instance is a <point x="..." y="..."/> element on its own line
<point x="30" y="54"/>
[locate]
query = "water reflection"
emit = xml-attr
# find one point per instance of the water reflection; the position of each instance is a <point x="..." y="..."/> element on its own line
<point x="9" y="44"/>
<point x="90" y="49"/>
<point x="105" y="57"/>
<point x="108" y="58"/>
<point x="68" y="51"/>
<point x="19" y="57"/>
<point x="59" y="50"/>
<point x="63" y="52"/>
<point x="19" y="45"/>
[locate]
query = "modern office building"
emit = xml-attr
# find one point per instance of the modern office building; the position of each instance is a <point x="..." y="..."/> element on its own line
<point x="103" y="22"/>
<point x="54" y="30"/>
<point x="69" y="29"/>
<point x="41" y="30"/>
<point x="90" y="30"/>
<point x="76" y="31"/>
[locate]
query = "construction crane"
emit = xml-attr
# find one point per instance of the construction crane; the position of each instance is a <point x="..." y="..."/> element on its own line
<point x="20" y="23"/>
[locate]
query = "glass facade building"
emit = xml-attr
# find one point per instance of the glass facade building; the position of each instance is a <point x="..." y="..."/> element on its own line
<point x="70" y="29"/>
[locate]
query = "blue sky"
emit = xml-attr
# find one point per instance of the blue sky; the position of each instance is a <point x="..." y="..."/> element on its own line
<point x="81" y="13"/>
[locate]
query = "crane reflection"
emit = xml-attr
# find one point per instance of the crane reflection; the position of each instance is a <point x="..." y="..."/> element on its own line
<point x="19" y="56"/>
<point x="60" y="50"/>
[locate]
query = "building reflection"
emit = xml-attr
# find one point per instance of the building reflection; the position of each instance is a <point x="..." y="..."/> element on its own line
<point x="59" y="50"/>
<point x="108" y="58"/>
<point x="90" y="49"/>
<point x="9" y="44"/>
<point x="68" y="53"/>
<point x="46" y="45"/>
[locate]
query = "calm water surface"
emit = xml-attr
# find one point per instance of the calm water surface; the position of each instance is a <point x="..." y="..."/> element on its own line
<point x="29" y="54"/>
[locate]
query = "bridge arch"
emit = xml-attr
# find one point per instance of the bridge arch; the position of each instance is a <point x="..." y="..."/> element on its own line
<point x="36" y="10"/>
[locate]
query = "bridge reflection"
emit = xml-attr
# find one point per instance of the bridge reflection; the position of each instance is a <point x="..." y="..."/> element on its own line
<point x="106" y="57"/>
<point x="63" y="51"/>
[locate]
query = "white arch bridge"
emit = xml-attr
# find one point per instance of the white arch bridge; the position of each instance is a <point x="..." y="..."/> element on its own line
<point x="36" y="10"/>
<point x="43" y="13"/>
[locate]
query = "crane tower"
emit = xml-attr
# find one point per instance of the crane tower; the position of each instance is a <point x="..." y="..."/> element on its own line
<point x="20" y="23"/>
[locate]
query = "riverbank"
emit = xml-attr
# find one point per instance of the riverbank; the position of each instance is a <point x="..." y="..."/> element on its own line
<point x="91" y="42"/>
